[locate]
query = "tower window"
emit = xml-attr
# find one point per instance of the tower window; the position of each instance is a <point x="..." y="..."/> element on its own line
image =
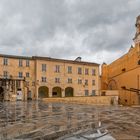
<point x="139" y="62"/>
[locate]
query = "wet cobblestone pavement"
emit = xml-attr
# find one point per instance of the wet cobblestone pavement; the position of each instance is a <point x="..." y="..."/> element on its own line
<point x="39" y="120"/>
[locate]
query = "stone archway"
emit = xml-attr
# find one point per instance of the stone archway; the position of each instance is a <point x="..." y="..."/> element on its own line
<point x="69" y="92"/>
<point x="43" y="92"/>
<point x="112" y="85"/>
<point x="57" y="92"/>
<point x="1" y="94"/>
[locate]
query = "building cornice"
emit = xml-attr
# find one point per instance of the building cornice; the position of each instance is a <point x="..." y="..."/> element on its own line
<point x="65" y="61"/>
<point x="49" y="59"/>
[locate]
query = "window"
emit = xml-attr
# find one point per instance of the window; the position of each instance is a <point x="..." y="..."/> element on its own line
<point x="69" y="69"/>
<point x="33" y="83"/>
<point x="86" y="71"/>
<point x="69" y="80"/>
<point x="79" y="81"/>
<point x="86" y="92"/>
<point x="20" y="62"/>
<point x="3" y="83"/>
<point x="43" y="67"/>
<point x="27" y="74"/>
<point x="139" y="62"/>
<point x="5" y="61"/>
<point x="44" y="79"/>
<point x="93" y="82"/>
<point x="5" y="74"/>
<point x="27" y="83"/>
<point x="93" y="92"/>
<point x="57" y="68"/>
<point x="18" y="84"/>
<point x="123" y="70"/>
<point x="79" y="70"/>
<point x="93" y="72"/>
<point x="86" y="82"/>
<point x="27" y="63"/>
<point x="20" y="75"/>
<point x="57" y="80"/>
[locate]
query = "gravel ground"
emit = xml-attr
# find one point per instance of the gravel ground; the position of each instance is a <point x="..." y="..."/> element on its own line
<point x="36" y="120"/>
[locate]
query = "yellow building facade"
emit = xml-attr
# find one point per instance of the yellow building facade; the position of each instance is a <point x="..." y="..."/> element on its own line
<point x="124" y="73"/>
<point x="23" y="78"/>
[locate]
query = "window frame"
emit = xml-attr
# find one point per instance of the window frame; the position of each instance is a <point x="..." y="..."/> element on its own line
<point x="86" y="82"/>
<point x="5" y="61"/>
<point x="70" y="80"/>
<point x="27" y="74"/>
<point x="69" y="69"/>
<point x="43" y="79"/>
<point x="27" y="63"/>
<point x="20" y="74"/>
<point x="86" y="92"/>
<point x="5" y="74"/>
<point x="94" y="72"/>
<point x="57" y="80"/>
<point x="79" y="81"/>
<point x="79" y="70"/>
<point x="93" y="82"/>
<point x="86" y="71"/>
<point x="57" y="68"/>
<point x="20" y="63"/>
<point x="44" y="67"/>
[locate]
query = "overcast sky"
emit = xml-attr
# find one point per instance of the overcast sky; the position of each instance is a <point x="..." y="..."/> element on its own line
<point x="97" y="30"/>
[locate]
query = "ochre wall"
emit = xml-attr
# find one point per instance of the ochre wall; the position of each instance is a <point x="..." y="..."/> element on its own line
<point x="123" y="73"/>
<point x="13" y="69"/>
<point x="36" y="74"/>
<point x="79" y="89"/>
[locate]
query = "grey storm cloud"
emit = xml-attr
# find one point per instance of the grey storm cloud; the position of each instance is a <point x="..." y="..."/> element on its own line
<point x="96" y="30"/>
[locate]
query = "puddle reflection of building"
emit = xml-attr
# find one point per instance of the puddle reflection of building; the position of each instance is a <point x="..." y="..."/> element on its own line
<point x="71" y="117"/>
<point x="29" y="111"/>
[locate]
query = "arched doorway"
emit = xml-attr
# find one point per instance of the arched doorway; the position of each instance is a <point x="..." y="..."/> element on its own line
<point x="43" y="92"/>
<point x="69" y="92"/>
<point x="1" y="94"/>
<point x="57" y="92"/>
<point x="112" y="85"/>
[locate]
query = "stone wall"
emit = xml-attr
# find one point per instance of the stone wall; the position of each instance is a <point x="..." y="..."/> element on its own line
<point x="97" y="100"/>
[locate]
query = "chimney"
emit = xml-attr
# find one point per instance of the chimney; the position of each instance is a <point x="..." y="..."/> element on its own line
<point x="78" y="59"/>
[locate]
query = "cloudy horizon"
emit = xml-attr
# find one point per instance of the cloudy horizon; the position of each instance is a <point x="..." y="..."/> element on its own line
<point x="98" y="31"/>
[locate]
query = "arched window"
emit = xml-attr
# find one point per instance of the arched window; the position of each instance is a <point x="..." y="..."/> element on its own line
<point x="138" y="62"/>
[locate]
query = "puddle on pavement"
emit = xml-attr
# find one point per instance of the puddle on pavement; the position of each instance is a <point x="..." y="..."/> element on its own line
<point x="40" y="120"/>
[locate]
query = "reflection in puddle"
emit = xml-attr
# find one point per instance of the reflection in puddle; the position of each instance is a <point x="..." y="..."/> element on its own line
<point x="37" y="119"/>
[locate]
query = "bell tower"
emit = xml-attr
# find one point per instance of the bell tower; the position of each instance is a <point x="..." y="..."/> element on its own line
<point x="137" y="35"/>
